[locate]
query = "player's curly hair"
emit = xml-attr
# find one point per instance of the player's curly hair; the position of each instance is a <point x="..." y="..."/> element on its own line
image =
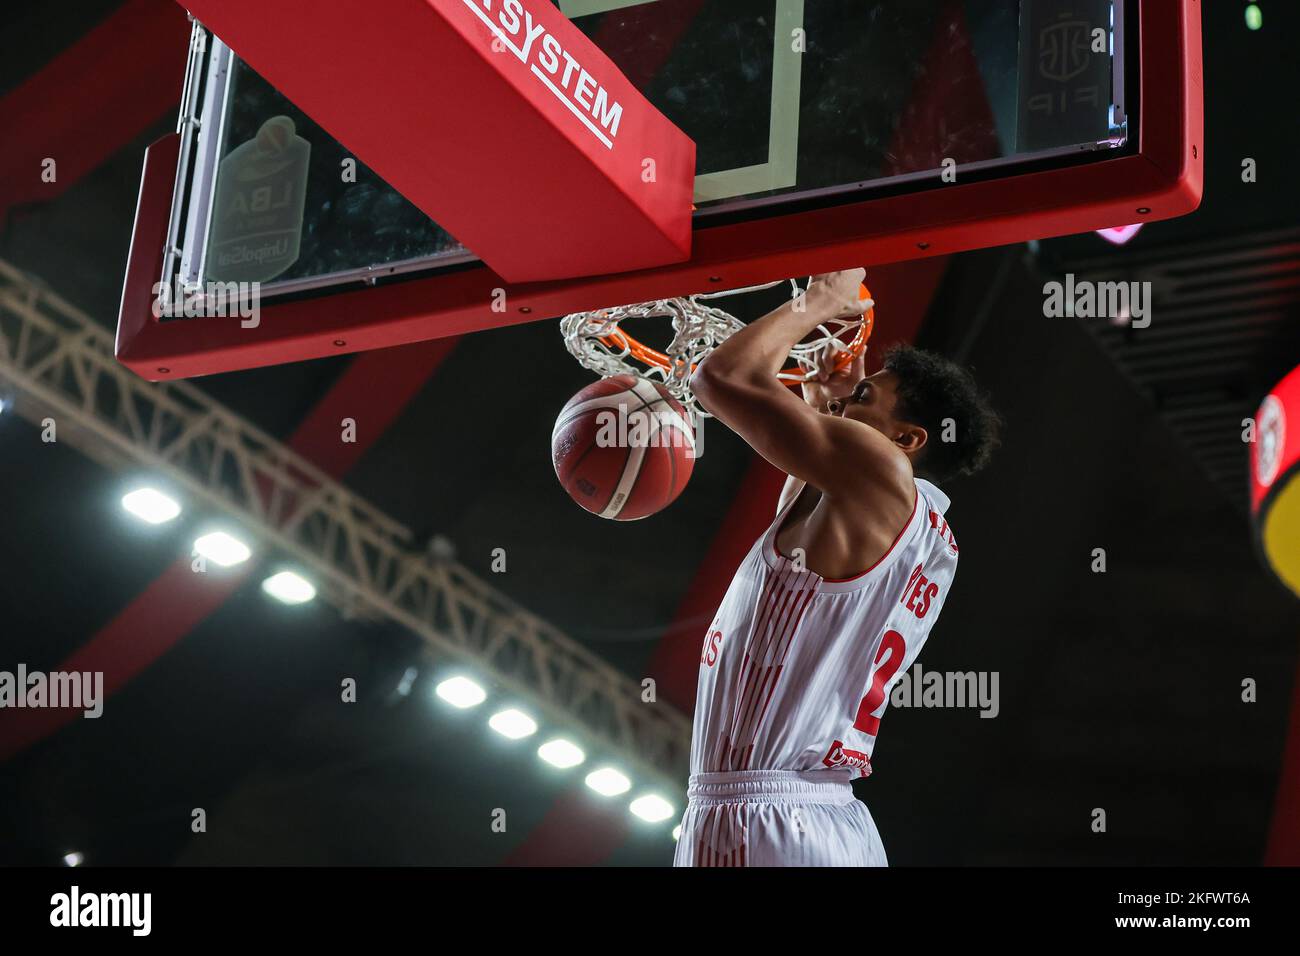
<point x="931" y="389"/>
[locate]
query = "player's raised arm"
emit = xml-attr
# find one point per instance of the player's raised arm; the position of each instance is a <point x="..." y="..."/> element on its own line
<point x="836" y="453"/>
<point x="819" y="393"/>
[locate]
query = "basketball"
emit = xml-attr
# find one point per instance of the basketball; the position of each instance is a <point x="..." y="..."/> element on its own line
<point x="623" y="448"/>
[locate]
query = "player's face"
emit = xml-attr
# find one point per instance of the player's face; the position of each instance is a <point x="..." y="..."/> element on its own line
<point x="874" y="401"/>
<point x="871" y="401"/>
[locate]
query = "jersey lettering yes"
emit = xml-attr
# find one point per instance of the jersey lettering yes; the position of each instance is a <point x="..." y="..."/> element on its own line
<point x="796" y="669"/>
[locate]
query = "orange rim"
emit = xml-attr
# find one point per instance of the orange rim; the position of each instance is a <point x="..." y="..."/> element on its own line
<point x="620" y="340"/>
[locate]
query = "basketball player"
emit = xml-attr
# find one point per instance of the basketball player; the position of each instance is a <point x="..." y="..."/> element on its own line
<point x="834" y="601"/>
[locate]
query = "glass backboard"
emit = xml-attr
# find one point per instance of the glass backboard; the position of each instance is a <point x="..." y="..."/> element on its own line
<point x="790" y="102"/>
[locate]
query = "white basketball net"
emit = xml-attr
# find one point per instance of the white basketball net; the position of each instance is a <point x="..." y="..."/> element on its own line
<point x="594" y="340"/>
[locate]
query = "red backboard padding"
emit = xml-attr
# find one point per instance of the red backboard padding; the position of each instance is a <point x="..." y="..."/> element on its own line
<point x="498" y="118"/>
<point x="1162" y="179"/>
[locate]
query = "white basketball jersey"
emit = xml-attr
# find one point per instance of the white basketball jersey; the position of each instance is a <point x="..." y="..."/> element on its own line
<point x="796" y="669"/>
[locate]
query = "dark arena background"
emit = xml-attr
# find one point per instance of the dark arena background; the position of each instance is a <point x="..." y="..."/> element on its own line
<point x="1125" y="614"/>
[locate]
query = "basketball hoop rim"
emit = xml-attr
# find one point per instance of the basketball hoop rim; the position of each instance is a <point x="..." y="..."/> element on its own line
<point x="793" y="375"/>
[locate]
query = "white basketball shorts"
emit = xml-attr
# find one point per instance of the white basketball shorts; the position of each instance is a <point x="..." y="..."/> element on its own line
<point x="777" y="818"/>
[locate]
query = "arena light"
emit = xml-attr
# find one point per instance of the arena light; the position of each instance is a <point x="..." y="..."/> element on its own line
<point x="73" y="859"/>
<point x="652" y="808"/>
<point x="677" y="832"/>
<point x="608" y="782"/>
<point x="561" y="753"/>
<point x="289" y="588"/>
<point x="461" y="692"/>
<point x="404" y="686"/>
<point x="151" y="505"/>
<point x="222" y="549"/>
<point x="512" y="723"/>
<point x="1119" y="235"/>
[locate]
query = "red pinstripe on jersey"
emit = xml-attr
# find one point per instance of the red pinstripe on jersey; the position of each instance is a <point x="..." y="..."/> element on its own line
<point x="785" y="597"/>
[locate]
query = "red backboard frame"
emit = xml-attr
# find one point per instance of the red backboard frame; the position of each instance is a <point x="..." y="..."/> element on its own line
<point x="1162" y="179"/>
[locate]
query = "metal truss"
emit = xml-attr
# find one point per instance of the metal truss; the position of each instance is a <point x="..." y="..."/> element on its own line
<point x="59" y="363"/>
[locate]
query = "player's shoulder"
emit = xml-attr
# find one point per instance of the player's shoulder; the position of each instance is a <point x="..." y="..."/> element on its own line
<point x="932" y="507"/>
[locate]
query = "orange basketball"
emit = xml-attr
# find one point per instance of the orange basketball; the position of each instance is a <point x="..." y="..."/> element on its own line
<point x="623" y="448"/>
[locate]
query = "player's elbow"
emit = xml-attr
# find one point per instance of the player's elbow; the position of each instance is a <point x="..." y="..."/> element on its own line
<point x="715" y="387"/>
<point x="704" y="379"/>
<point x="705" y="386"/>
<point x="714" y="376"/>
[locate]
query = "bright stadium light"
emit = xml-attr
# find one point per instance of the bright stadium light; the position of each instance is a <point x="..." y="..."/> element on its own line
<point x="652" y="808"/>
<point x="512" y="723"/>
<point x="1119" y="235"/>
<point x="561" y="753"/>
<point x="289" y="588"/>
<point x="608" y="782"/>
<point x="151" y="505"/>
<point x="461" y="692"/>
<point x="222" y="549"/>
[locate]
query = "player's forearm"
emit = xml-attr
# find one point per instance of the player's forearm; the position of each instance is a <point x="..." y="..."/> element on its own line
<point x="762" y="348"/>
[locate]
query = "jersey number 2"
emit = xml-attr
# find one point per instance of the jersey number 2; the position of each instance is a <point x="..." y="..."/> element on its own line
<point x="894" y="645"/>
